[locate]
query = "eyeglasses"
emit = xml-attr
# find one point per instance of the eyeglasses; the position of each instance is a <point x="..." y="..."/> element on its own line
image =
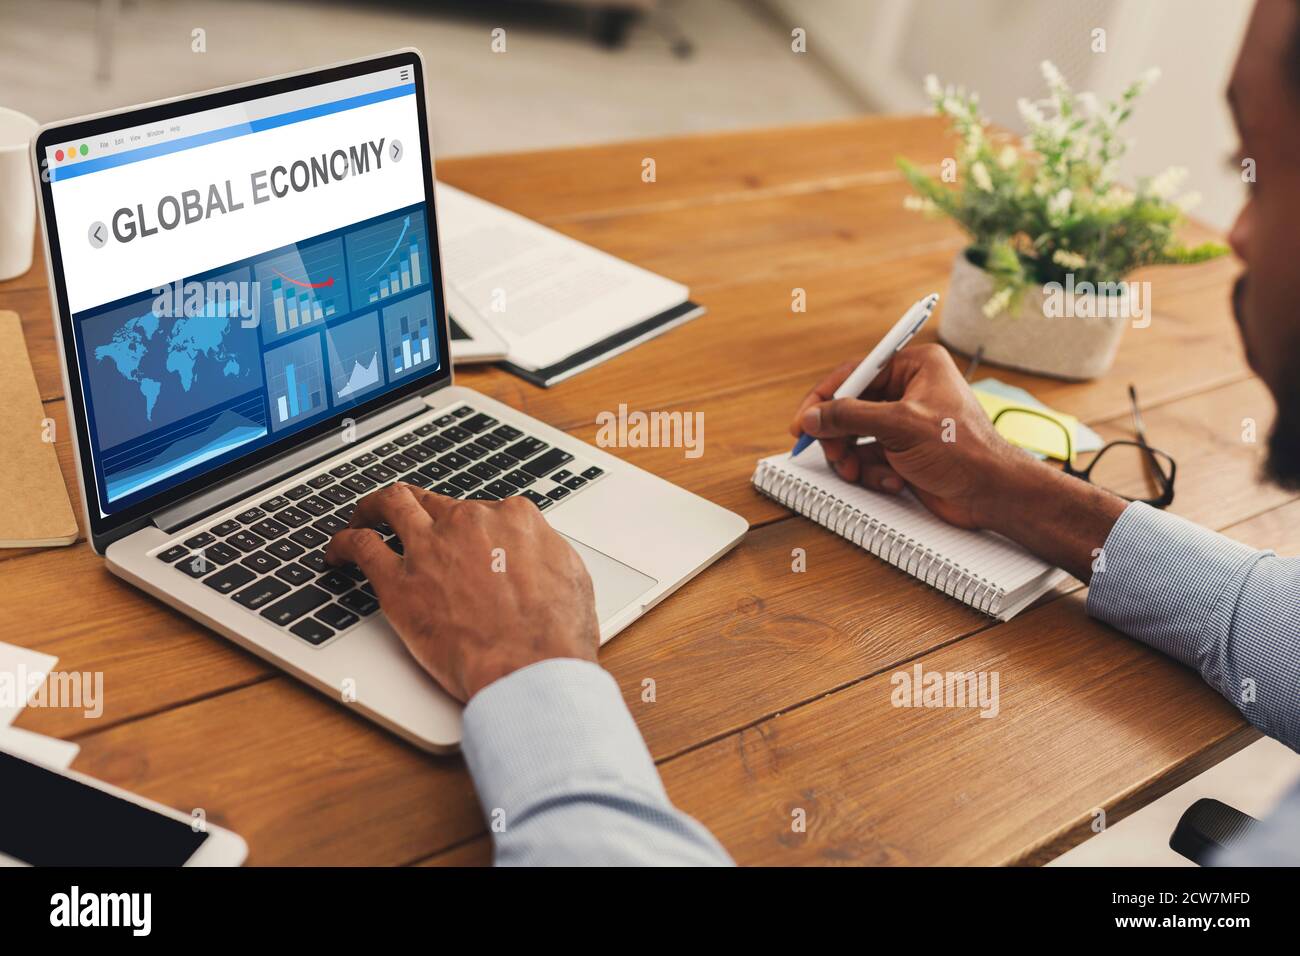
<point x="1112" y="467"/>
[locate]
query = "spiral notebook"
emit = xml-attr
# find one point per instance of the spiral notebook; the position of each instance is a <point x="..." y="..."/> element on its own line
<point x="978" y="568"/>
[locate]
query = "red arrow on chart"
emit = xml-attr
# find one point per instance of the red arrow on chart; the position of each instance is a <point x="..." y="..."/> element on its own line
<point x="306" y="285"/>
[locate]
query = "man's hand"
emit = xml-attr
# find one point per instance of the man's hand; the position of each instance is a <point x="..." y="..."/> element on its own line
<point x="933" y="436"/>
<point x="930" y="430"/>
<point x="484" y="587"/>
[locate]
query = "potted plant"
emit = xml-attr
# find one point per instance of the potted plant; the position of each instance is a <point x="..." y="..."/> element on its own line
<point x="1041" y="286"/>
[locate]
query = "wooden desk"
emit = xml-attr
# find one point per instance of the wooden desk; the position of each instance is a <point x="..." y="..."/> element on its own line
<point x="772" y="688"/>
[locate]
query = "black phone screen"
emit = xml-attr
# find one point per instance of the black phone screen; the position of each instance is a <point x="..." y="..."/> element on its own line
<point x="47" y="819"/>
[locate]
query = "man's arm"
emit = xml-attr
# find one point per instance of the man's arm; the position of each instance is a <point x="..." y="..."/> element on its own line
<point x="564" y="778"/>
<point x="499" y="609"/>
<point x="1230" y="611"/>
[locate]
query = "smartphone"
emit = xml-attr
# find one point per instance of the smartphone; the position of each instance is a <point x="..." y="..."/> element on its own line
<point x="54" y="817"/>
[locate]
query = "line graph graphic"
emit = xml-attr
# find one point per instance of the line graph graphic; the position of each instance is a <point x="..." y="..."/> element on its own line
<point x="406" y="225"/>
<point x="355" y="366"/>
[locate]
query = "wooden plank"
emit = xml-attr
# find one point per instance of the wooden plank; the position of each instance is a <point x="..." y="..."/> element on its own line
<point x="33" y="278"/>
<point x="300" y="778"/>
<point x="66" y="603"/>
<point x="565" y="185"/>
<point x="1278" y="530"/>
<point x="1087" y="719"/>
<point x="475" y="852"/>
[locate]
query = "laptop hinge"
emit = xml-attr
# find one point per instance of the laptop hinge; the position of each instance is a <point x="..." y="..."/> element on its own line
<point x="182" y="513"/>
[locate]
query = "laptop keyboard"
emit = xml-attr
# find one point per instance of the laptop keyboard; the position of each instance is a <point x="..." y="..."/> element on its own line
<point x="270" y="558"/>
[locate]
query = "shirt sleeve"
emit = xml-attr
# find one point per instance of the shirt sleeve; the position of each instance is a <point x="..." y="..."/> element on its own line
<point x="1274" y="841"/>
<point x="1230" y="611"/>
<point x="566" y="780"/>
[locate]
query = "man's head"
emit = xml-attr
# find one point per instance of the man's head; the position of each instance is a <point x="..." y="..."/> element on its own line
<point x="1265" y="98"/>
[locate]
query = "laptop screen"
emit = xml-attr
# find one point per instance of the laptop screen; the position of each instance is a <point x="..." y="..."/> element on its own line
<point x="243" y="276"/>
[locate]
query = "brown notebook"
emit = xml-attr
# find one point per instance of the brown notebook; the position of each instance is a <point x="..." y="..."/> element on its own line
<point x="34" y="506"/>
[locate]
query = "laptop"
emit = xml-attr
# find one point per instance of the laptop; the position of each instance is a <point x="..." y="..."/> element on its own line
<point x="249" y="305"/>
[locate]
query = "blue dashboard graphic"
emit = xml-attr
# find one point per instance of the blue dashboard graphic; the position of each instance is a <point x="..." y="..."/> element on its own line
<point x="356" y="366"/>
<point x="252" y="352"/>
<point x="408" y="329"/>
<point x="305" y="285"/>
<point x="388" y="258"/>
<point x="295" y="382"/>
<point x="158" y="361"/>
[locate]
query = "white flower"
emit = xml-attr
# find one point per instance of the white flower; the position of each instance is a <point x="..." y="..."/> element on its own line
<point x="981" y="176"/>
<point x="1029" y="112"/>
<point x="1070" y="260"/>
<point x="1059" y="205"/>
<point x="919" y="204"/>
<point x="932" y="87"/>
<point x="1088" y="104"/>
<point x="1115" y="198"/>
<point x="1147" y="78"/>
<point x="997" y="303"/>
<point x="1007" y="158"/>
<point x="1055" y="81"/>
<point x="1166" y="184"/>
<point x="1189" y="201"/>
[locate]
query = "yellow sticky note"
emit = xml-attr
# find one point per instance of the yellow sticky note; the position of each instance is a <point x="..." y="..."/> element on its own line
<point x="1031" y="432"/>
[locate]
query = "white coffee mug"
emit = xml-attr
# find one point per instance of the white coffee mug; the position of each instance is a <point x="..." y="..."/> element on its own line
<point x="17" y="196"/>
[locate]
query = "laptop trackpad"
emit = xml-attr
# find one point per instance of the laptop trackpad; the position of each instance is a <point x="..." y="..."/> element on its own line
<point x="616" y="584"/>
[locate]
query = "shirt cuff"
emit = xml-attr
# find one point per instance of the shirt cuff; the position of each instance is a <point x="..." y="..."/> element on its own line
<point x="1169" y="582"/>
<point x="533" y="733"/>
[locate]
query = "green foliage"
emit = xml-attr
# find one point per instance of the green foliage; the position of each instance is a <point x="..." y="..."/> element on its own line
<point x="1049" y="205"/>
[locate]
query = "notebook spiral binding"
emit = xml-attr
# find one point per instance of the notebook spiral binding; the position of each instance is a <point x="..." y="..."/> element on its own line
<point x="872" y="535"/>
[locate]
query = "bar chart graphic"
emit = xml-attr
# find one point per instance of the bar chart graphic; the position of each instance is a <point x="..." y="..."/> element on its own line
<point x="301" y="286"/>
<point x="408" y="336"/>
<point x="356" y="366"/>
<point x="388" y="258"/>
<point x="295" y="382"/>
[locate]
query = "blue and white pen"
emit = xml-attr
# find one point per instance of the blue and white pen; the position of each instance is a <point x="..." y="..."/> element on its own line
<point x="873" y="364"/>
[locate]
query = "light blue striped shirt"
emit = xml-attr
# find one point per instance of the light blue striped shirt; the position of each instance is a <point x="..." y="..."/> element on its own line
<point x="1227" y="610"/>
<point x="564" y="777"/>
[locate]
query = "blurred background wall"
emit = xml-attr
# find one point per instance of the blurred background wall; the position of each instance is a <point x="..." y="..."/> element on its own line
<point x="591" y="71"/>
<point x="884" y="49"/>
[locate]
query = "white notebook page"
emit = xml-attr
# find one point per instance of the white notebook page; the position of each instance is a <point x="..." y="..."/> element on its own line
<point x="1004" y="563"/>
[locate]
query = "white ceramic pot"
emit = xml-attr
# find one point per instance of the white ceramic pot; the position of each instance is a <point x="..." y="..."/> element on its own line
<point x="17" y="195"/>
<point x="1076" y="345"/>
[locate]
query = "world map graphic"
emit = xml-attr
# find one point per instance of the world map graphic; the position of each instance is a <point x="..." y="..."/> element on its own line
<point x="146" y="356"/>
